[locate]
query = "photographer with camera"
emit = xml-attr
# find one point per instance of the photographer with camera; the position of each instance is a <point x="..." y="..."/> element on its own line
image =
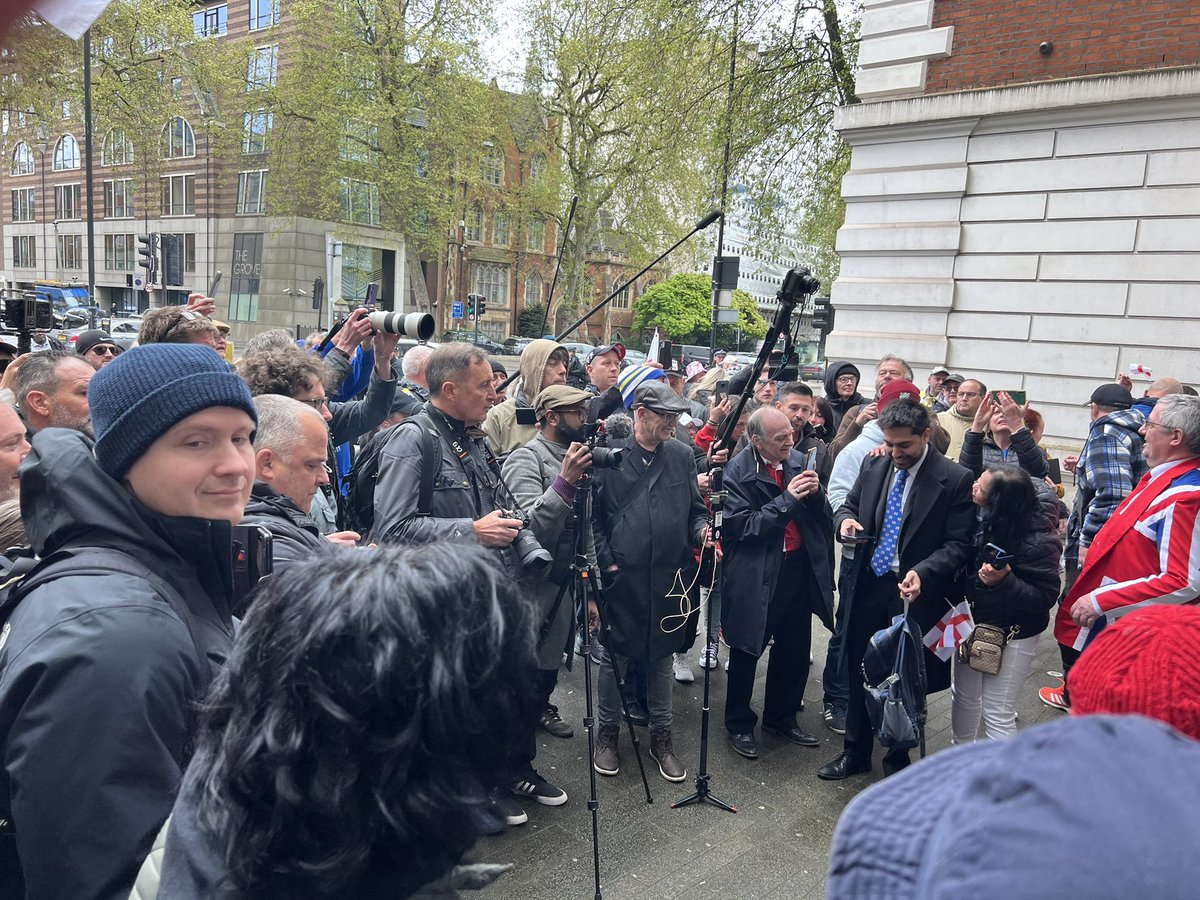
<point x="648" y="517"/>
<point x="123" y="623"/>
<point x="543" y="476"/>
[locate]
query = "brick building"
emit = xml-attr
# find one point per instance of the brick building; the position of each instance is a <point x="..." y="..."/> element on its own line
<point x="1023" y="201"/>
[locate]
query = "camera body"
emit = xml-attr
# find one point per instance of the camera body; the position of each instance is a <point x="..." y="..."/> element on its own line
<point x="603" y="456"/>
<point x="533" y="555"/>
<point x="27" y="313"/>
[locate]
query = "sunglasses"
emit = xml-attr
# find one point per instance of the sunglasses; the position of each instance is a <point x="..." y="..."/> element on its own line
<point x="104" y="350"/>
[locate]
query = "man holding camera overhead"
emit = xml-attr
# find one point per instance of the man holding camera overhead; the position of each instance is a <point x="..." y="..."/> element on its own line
<point x="648" y="516"/>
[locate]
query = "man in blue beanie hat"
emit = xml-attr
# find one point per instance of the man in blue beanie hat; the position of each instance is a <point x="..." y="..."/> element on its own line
<point x="121" y="626"/>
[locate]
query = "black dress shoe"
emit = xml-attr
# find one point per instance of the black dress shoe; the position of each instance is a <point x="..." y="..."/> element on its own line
<point x="842" y="768"/>
<point x="745" y="744"/>
<point x="638" y="715"/>
<point x="793" y="733"/>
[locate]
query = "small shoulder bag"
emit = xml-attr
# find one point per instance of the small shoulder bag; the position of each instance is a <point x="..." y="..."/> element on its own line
<point x="983" y="651"/>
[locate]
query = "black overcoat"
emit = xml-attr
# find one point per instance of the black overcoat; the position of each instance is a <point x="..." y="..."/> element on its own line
<point x="647" y="520"/>
<point x="756" y="513"/>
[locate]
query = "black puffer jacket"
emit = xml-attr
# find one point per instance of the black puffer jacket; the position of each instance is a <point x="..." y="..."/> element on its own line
<point x="98" y="675"/>
<point x="840" y="406"/>
<point x="295" y="533"/>
<point x="1025" y="597"/>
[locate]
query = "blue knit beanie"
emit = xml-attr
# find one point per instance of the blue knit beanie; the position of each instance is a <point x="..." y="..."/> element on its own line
<point x="145" y="392"/>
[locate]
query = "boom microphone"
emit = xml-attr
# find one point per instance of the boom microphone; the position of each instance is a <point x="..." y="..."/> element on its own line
<point x="712" y="216"/>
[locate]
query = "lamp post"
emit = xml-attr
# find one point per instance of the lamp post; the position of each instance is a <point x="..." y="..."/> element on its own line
<point x="42" y="143"/>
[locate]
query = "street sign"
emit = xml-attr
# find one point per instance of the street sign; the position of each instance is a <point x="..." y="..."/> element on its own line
<point x="138" y="282"/>
<point x="456" y="310"/>
<point x="727" y="317"/>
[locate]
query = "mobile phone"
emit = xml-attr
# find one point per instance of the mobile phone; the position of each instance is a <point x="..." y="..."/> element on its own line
<point x="859" y="537"/>
<point x="997" y="557"/>
<point x="810" y="459"/>
<point x="1055" y="470"/>
<point x="372" y="295"/>
<point x="721" y="391"/>
<point x="251" y="561"/>
<point x="212" y="287"/>
<point x="1018" y="397"/>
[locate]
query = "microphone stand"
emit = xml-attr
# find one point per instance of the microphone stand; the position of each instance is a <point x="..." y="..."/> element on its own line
<point x="796" y="285"/>
<point x="700" y="226"/>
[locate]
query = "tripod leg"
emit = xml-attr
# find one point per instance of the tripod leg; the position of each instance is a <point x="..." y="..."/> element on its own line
<point x="589" y="723"/>
<point x="616" y="670"/>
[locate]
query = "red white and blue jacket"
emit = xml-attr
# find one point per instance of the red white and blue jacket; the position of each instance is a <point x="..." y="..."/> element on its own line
<point x="1148" y="552"/>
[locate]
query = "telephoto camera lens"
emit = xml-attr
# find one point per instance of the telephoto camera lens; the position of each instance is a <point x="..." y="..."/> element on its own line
<point x="413" y="325"/>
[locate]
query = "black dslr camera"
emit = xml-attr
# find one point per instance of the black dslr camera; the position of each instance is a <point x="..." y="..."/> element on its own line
<point x="532" y="554"/>
<point x="603" y="456"/>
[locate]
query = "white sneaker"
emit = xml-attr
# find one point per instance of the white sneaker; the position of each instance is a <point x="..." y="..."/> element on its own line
<point x="683" y="672"/>
<point x="708" y="656"/>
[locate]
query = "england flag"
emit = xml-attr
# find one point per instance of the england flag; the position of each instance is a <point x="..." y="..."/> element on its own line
<point x="951" y="630"/>
<point x="71" y="17"/>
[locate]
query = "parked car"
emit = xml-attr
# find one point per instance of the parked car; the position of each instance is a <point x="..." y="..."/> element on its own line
<point x="633" y="358"/>
<point x="482" y="341"/>
<point x="696" y="353"/>
<point x="515" y="345"/>
<point x="581" y="349"/>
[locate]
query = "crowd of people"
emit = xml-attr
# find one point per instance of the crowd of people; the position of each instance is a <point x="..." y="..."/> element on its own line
<point x="439" y="544"/>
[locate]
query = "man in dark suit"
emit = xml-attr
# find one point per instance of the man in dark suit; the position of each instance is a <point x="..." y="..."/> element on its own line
<point x="778" y="571"/>
<point x="919" y="521"/>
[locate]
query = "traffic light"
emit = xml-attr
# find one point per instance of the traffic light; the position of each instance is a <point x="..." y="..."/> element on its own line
<point x="471" y="306"/>
<point x="822" y="315"/>
<point x="172" y="259"/>
<point x="480" y="304"/>
<point x="148" y="256"/>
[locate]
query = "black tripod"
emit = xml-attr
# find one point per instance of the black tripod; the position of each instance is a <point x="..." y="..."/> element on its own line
<point x="716" y="499"/>
<point x="584" y="583"/>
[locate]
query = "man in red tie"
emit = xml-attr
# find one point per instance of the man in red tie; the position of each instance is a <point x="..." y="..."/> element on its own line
<point x="1149" y="550"/>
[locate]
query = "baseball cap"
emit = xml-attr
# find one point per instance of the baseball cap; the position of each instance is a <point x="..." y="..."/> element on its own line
<point x="559" y="396"/>
<point x="953" y="378"/>
<point x="940" y="370"/>
<point x="1111" y="395"/>
<point x="607" y="348"/>
<point x="658" y="397"/>
<point x="898" y="390"/>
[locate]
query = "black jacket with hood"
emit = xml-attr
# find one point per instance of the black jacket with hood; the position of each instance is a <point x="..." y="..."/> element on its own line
<point x="840" y="406"/>
<point x="295" y="534"/>
<point x="98" y="674"/>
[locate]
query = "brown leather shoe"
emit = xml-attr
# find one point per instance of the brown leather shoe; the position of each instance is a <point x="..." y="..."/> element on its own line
<point x="663" y="753"/>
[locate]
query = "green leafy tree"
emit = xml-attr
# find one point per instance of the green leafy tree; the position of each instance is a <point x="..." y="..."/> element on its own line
<point x="634" y="90"/>
<point x="751" y="325"/>
<point x="529" y="323"/>
<point x="677" y="307"/>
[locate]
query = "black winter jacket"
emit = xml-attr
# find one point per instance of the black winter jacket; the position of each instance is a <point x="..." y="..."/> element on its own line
<point x="295" y="534"/>
<point x="98" y="675"/>
<point x="1025" y="597"/>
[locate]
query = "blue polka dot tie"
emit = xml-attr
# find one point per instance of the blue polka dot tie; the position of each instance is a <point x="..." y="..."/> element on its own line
<point x="885" y="550"/>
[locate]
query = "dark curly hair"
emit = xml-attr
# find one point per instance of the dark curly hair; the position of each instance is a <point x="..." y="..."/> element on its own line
<point x="1012" y="507"/>
<point x="285" y="370"/>
<point x="360" y="718"/>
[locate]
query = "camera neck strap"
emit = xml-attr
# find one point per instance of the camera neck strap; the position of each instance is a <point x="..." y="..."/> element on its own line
<point x="442" y="425"/>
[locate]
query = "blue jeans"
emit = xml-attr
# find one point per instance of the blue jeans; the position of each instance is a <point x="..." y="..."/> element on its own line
<point x="835" y="679"/>
<point x="660" y="680"/>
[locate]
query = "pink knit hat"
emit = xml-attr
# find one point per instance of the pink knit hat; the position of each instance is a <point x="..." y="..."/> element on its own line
<point x="1147" y="662"/>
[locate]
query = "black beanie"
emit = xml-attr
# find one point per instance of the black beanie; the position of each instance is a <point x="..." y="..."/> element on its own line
<point x="144" y="393"/>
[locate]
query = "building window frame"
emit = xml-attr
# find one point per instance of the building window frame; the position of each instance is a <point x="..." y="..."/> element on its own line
<point x="68" y="202"/>
<point x="66" y="154"/>
<point x="117" y="148"/>
<point x="360" y="202"/>
<point x="24" y="251"/>
<point x="474" y="227"/>
<point x="262" y="69"/>
<point x="119" y="191"/>
<point x="535" y="236"/>
<point x="178" y="140"/>
<point x="257" y="131"/>
<point x="212" y="21"/>
<point x="118" y="252"/>
<point x="263" y="14"/>
<point x="252" y="192"/>
<point x="491" y="165"/>
<point x="24" y="204"/>
<point x="69" y="251"/>
<point x="178" y="195"/>
<point x="533" y="289"/>
<point x="501" y="228"/>
<point x="22" y="160"/>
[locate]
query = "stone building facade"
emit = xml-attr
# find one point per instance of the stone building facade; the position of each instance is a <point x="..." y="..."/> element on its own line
<point x="1023" y="202"/>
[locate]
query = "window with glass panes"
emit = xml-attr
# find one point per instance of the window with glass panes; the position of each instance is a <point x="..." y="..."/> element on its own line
<point x="211" y="22"/>
<point x="188" y="240"/>
<point x="491" y="280"/>
<point x="66" y="154"/>
<point x="118" y="199"/>
<point x="117" y="149"/>
<point x="360" y="202"/>
<point x="24" y="255"/>
<point x="257" y="128"/>
<point x="535" y="236"/>
<point x="118" y="252"/>
<point x="621" y="301"/>
<point x="474" y="230"/>
<point x="22" y="160"/>
<point x="178" y="195"/>
<point x="533" y="289"/>
<point x="501" y="226"/>
<point x="70" y="251"/>
<point x="252" y="193"/>
<point x="263" y="67"/>
<point x="263" y="14"/>
<point x="24" y="205"/>
<point x="67" y="201"/>
<point x="492" y="165"/>
<point x="178" y="139"/>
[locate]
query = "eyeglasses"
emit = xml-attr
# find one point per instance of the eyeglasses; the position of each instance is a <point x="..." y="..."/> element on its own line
<point x="317" y="403"/>
<point x="103" y="350"/>
<point x="1162" y="426"/>
<point x="847" y="379"/>
<point x="969" y="394"/>
<point x="666" y="417"/>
